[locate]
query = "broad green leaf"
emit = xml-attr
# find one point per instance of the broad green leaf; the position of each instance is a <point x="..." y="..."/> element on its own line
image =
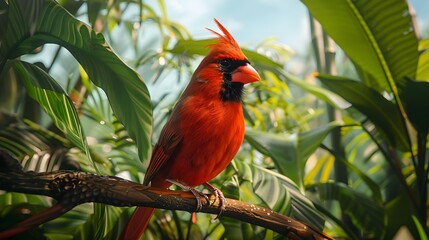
<point x="111" y="215"/>
<point x="420" y="228"/>
<point x="71" y="224"/>
<point x="290" y="152"/>
<point x="36" y="148"/>
<point x="309" y="141"/>
<point x="261" y="62"/>
<point x="342" y="229"/>
<point x="192" y="47"/>
<point x="11" y="198"/>
<point x="317" y="91"/>
<point x="13" y="29"/>
<point x="423" y="69"/>
<point x="235" y="229"/>
<point x="423" y="66"/>
<point x="383" y="113"/>
<point x="364" y="212"/>
<point x="424" y="44"/>
<point x="269" y="186"/>
<point x="321" y="170"/>
<point x="201" y="47"/>
<point x="10" y="89"/>
<point x="377" y="35"/>
<point x="59" y="107"/>
<point x="124" y="88"/>
<point x="3" y="19"/>
<point x="261" y="186"/>
<point x="282" y="150"/>
<point x="49" y="94"/>
<point x="375" y="188"/>
<point x="261" y="189"/>
<point x="399" y="213"/>
<point x="415" y="96"/>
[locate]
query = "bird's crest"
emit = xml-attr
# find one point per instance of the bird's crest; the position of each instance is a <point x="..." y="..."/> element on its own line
<point x="226" y="46"/>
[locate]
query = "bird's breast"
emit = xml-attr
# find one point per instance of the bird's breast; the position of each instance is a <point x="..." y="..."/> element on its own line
<point x="212" y="134"/>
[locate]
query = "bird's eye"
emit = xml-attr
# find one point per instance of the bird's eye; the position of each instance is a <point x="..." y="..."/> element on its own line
<point x="225" y="63"/>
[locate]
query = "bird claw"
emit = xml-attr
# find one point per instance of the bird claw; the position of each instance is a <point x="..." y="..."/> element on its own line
<point x="198" y="195"/>
<point x="218" y="196"/>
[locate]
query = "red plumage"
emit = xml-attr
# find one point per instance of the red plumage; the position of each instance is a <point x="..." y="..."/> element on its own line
<point x="206" y="127"/>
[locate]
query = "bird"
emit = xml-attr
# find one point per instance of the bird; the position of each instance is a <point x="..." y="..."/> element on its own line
<point x="205" y="129"/>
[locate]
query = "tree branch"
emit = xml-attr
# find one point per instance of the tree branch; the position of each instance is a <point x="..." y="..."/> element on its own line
<point x="71" y="188"/>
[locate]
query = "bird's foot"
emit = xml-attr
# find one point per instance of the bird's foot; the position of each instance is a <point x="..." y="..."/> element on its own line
<point x="198" y="195"/>
<point x="218" y="196"/>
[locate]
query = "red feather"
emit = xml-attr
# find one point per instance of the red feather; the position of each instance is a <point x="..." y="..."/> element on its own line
<point x="204" y="132"/>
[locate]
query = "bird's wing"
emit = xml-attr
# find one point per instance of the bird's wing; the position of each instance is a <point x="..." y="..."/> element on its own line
<point x="167" y="145"/>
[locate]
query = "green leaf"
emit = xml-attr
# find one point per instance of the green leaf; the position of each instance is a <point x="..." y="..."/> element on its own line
<point x="415" y="96"/>
<point x="10" y="90"/>
<point x="11" y="198"/>
<point x="269" y="186"/>
<point x="70" y="224"/>
<point x="200" y="47"/>
<point x="424" y="44"/>
<point x="261" y="62"/>
<point x="192" y="47"/>
<point x="399" y="213"/>
<point x="59" y="107"/>
<point x="235" y="229"/>
<point x="383" y="113"/>
<point x="36" y="148"/>
<point x="282" y="150"/>
<point x="124" y="88"/>
<point x="420" y="228"/>
<point x="290" y="152"/>
<point x="49" y="94"/>
<point x="3" y="19"/>
<point x="364" y="212"/>
<point x="377" y="35"/>
<point x="110" y="216"/>
<point x="317" y="91"/>
<point x="309" y="141"/>
<point x="423" y="66"/>
<point x="375" y="188"/>
<point x="260" y="186"/>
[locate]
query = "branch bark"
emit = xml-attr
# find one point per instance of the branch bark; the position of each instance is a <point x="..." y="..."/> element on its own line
<point x="72" y="188"/>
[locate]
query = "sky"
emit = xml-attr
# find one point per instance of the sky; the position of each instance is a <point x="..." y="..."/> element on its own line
<point x="247" y="20"/>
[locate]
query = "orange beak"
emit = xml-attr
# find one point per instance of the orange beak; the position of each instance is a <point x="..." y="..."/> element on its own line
<point x="245" y="74"/>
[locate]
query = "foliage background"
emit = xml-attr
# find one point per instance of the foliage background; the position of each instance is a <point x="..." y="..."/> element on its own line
<point x="340" y="162"/>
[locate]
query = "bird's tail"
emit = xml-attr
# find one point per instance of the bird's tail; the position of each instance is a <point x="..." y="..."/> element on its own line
<point x="137" y="223"/>
<point x="141" y="216"/>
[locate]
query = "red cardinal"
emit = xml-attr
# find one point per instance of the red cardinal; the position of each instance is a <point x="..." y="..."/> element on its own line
<point x="206" y="128"/>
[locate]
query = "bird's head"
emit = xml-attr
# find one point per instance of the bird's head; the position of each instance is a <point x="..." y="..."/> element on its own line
<point x="227" y="66"/>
